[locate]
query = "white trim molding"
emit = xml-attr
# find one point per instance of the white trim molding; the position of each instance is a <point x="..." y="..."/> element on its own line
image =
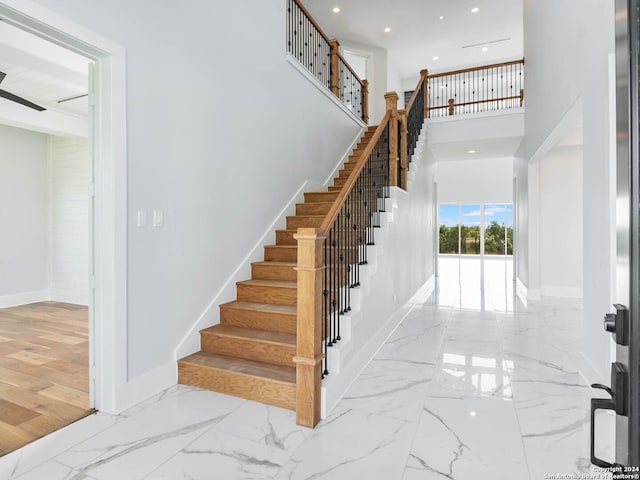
<point x="108" y="318"/>
<point x="24" y="298"/>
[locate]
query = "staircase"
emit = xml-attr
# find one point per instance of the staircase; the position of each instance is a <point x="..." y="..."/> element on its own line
<point x="249" y="354"/>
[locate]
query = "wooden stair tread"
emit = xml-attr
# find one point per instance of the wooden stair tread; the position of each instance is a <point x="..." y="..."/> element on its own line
<point x="262" y="307"/>
<point x="275" y="263"/>
<point x="252" y="334"/>
<point x="269" y="283"/>
<point x="241" y="366"/>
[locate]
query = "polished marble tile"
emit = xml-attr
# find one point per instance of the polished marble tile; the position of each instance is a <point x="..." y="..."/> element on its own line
<point x="480" y="388"/>
<point x="266" y="425"/>
<point x="351" y="444"/>
<point x="25" y="459"/>
<point x="554" y="415"/>
<point x="475" y="438"/>
<point x="392" y="388"/>
<point x="220" y="455"/>
<point x="156" y="432"/>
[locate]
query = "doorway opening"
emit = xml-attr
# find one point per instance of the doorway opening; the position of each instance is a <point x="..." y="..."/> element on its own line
<point x="475" y="256"/>
<point x="104" y="193"/>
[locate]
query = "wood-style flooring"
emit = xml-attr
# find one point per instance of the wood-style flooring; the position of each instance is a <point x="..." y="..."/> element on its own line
<point x="44" y="370"/>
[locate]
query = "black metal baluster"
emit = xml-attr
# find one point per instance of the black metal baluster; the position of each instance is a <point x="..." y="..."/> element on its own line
<point x="325" y="310"/>
<point x="331" y="284"/>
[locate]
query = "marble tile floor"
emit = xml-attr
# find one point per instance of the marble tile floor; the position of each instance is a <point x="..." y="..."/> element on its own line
<point x="453" y="394"/>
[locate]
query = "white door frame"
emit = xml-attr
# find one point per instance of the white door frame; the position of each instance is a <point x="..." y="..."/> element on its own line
<point x="108" y="322"/>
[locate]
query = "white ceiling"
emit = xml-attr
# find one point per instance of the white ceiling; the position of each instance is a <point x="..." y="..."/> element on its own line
<point x="42" y="72"/>
<point x="417" y="33"/>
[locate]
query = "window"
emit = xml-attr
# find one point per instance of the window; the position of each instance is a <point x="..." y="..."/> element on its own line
<point x="463" y="227"/>
<point x="449" y="216"/>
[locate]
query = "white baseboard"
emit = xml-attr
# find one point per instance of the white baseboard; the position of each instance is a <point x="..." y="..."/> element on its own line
<point x="74" y="299"/>
<point x="190" y="343"/>
<point x="522" y="291"/>
<point x="344" y="158"/>
<point x="25" y="298"/>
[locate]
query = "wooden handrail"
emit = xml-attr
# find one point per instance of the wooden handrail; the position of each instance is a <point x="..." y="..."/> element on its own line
<point x="475" y="69"/>
<point x="423" y="78"/>
<point x="312" y="20"/>
<point x="515" y="97"/>
<point x="353" y="176"/>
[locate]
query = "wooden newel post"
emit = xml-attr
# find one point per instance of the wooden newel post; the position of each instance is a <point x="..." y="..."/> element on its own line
<point x="404" y="148"/>
<point x="425" y="91"/>
<point x="335" y="67"/>
<point x="392" y="105"/>
<point x="365" y="101"/>
<point x="451" y="106"/>
<point x="309" y="354"/>
<point x="521" y="96"/>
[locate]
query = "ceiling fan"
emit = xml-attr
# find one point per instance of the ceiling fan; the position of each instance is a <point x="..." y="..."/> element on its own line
<point x="17" y="99"/>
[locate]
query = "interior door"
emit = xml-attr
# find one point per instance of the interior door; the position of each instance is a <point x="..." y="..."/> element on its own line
<point x="623" y="323"/>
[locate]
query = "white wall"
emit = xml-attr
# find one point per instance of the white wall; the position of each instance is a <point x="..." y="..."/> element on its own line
<point x="210" y="144"/>
<point x="487" y="180"/>
<point x="69" y="219"/>
<point x="23" y="217"/>
<point x="376" y="76"/>
<point x="566" y="47"/>
<point x="394" y="84"/>
<point x="560" y="222"/>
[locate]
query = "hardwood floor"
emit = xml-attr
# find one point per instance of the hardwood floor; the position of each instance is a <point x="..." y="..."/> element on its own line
<point x="44" y="370"/>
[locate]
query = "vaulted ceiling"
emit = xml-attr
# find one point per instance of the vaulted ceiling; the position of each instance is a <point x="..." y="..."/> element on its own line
<point x="423" y="29"/>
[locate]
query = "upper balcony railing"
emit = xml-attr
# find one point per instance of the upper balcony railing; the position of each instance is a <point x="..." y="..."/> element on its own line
<point x="320" y="55"/>
<point x="480" y="89"/>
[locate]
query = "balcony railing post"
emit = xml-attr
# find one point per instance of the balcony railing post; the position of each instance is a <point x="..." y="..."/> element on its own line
<point x="521" y="96"/>
<point x="309" y="355"/>
<point x="404" y="147"/>
<point x="425" y="90"/>
<point x="365" y="101"/>
<point x="451" y="106"/>
<point x="391" y="99"/>
<point x="335" y="69"/>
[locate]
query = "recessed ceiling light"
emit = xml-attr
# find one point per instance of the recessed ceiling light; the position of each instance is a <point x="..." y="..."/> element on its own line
<point x="475" y="10"/>
<point x="387" y="29"/>
<point x="441" y="17"/>
<point x="473" y="414"/>
<point x="484" y="49"/>
<point x="436" y="57"/>
<point x="336" y="9"/>
<point x="471" y="151"/>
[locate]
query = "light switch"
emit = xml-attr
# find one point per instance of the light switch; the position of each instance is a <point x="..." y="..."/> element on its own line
<point x="142" y="219"/>
<point x="158" y="218"/>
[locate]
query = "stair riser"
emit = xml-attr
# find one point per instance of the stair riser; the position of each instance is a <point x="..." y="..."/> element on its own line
<point x="243" y="386"/>
<point x="270" y="321"/>
<point x="267" y="294"/>
<point x="283" y="273"/>
<point x="339" y="181"/>
<point x="285" y="238"/>
<point x="272" y="254"/>
<point x="311" y="197"/>
<point x="275" y="354"/>
<point x="303" y="222"/>
<point x="313" y="208"/>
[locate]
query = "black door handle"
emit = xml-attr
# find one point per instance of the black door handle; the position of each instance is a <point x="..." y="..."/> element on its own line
<point x="599" y="404"/>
